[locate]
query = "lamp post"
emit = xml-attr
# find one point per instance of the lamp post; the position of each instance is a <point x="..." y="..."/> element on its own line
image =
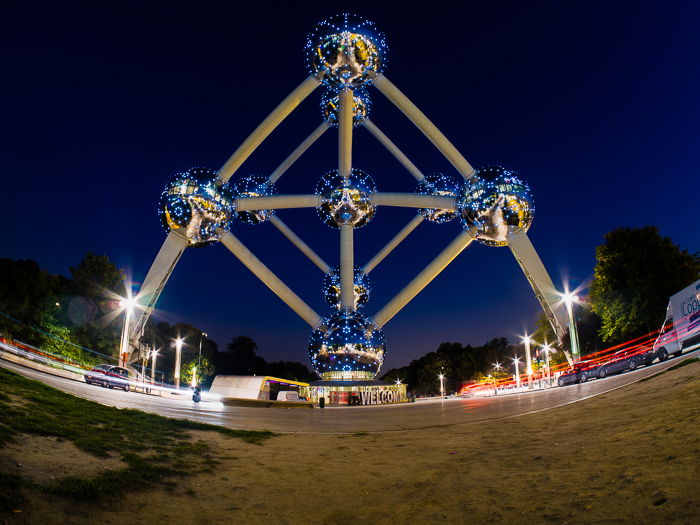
<point x="516" y="361"/>
<point x="154" y="354"/>
<point x="442" y="385"/>
<point x="569" y="300"/>
<point x="178" y="354"/>
<point x="128" y="305"/>
<point x="199" y="359"/>
<point x="528" y="359"/>
<point x="548" y="349"/>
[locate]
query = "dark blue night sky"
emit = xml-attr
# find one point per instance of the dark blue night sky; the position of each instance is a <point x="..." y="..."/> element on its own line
<point x="595" y="104"/>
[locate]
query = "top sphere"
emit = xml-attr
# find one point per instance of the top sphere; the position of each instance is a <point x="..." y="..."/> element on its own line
<point x="345" y="51"/>
<point x="496" y="204"/>
<point x="194" y="204"/>
<point x="254" y="186"/>
<point x="441" y="185"/>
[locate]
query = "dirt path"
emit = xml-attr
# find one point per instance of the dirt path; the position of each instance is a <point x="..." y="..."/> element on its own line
<point x="629" y="456"/>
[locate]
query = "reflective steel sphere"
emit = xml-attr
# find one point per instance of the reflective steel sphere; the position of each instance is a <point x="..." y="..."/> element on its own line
<point x="345" y="51"/>
<point x="496" y="204"/>
<point x="330" y="106"/>
<point x="346" y="201"/>
<point x="254" y="186"/>
<point x="195" y="205"/>
<point x="348" y="346"/>
<point x="442" y="185"/>
<point x="331" y="287"/>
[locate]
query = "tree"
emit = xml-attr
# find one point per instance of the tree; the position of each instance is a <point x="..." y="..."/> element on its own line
<point x="636" y="271"/>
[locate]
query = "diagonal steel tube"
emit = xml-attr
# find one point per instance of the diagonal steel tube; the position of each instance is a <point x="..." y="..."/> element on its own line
<point x="270" y="280"/>
<point x="299" y="151"/>
<point x="393" y="149"/>
<point x="393" y="243"/>
<point x="296" y="241"/>
<point x="422" y="122"/>
<point x="421" y="280"/>
<point x="266" y="127"/>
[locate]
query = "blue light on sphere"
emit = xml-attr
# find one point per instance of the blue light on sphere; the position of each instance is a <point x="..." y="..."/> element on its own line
<point x="254" y="186"/>
<point x="439" y="184"/>
<point x="331" y="287"/>
<point x="345" y="51"/>
<point x="193" y="204"/>
<point x="348" y="346"/>
<point x="496" y="204"/>
<point x="330" y="106"/>
<point x="346" y="201"/>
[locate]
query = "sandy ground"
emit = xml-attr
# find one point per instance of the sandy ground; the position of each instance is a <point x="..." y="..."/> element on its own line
<point x="629" y="456"/>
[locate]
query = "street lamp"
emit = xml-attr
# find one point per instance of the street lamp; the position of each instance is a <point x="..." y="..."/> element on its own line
<point x="516" y="361"/>
<point x="547" y="349"/>
<point x="528" y="359"/>
<point x="569" y="300"/>
<point x="178" y="353"/>
<point x="127" y="304"/>
<point x="497" y="365"/>
<point x="199" y="359"/>
<point x="154" y="354"/>
<point x="442" y="385"/>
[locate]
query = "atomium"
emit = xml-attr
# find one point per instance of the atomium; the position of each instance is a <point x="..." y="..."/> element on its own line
<point x="345" y="51"/>
<point x="331" y="287"/>
<point x="495" y="205"/>
<point x="360" y="106"/>
<point x="193" y="204"/>
<point x="347" y="346"/>
<point x="346" y="201"/>
<point x="254" y="186"/>
<point x="439" y="184"/>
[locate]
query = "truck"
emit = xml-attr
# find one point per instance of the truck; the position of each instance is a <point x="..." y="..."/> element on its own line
<point x="681" y="329"/>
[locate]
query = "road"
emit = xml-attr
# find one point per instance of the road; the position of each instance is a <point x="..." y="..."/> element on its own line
<point x="382" y="418"/>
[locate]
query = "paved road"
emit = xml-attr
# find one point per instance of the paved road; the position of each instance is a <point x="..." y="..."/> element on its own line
<point x="423" y="414"/>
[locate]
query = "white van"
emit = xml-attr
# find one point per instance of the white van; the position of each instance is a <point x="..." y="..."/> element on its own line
<point x="681" y="329"/>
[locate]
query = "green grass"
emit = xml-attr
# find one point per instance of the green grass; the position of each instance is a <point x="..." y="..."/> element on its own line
<point x="152" y="447"/>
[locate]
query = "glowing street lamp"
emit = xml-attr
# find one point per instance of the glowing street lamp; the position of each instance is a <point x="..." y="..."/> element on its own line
<point x="569" y="300"/>
<point x="178" y="355"/>
<point x="547" y="349"/>
<point x="497" y="365"/>
<point x="528" y="359"/>
<point x="199" y="359"/>
<point x="154" y="354"/>
<point x="127" y="304"/>
<point x="442" y="385"/>
<point x="516" y="362"/>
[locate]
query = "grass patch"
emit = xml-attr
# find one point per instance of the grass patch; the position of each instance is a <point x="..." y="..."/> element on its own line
<point x="684" y="363"/>
<point x="153" y="447"/>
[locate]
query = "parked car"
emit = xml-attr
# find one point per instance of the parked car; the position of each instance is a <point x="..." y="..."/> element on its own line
<point x="578" y="373"/>
<point x="108" y="376"/>
<point x="626" y="359"/>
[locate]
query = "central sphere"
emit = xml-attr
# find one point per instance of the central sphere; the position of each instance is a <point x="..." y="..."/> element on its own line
<point x="345" y="51"/>
<point x="346" y="201"/>
<point x="254" y="186"/>
<point x="330" y="106"/>
<point x="331" y="287"/>
<point x="439" y="184"/>
<point x="349" y="346"/>
<point x="193" y="204"/>
<point x="496" y="204"/>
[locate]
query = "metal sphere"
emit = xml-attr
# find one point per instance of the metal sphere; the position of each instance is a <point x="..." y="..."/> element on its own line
<point x="348" y="346"/>
<point x="195" y="205"/>
<point x="330" y="106"/>
<point x="495" y="205"/>
<point x="346" y="201"/>
<point x="254" y="186"/>
<point x="331" y="287"/>
<point x="439" y="184"/>
<point x="346" y="51"/>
